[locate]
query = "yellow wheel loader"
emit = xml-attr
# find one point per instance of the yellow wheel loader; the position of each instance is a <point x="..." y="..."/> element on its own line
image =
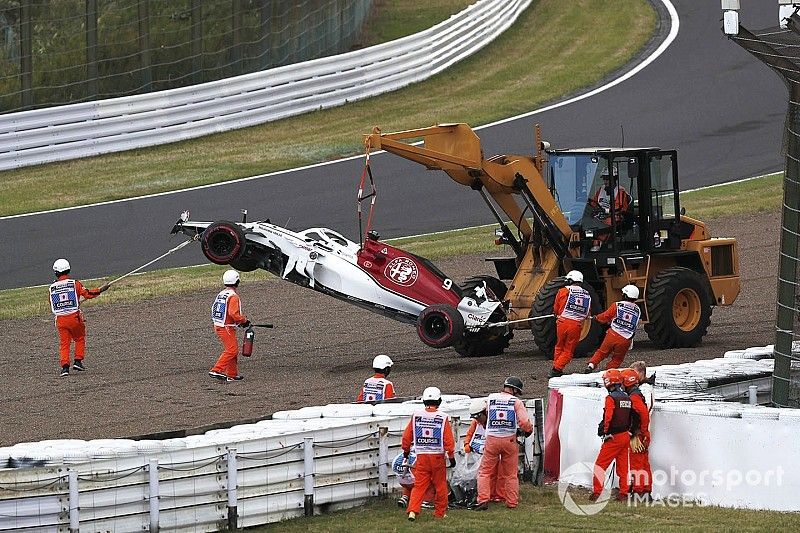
<point x="614" y="214"/>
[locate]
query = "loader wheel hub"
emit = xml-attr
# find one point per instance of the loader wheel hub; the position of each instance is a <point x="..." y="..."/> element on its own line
<point x="686" y="309"/>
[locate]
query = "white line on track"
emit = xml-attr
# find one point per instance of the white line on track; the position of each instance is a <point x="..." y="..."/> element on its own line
<point x="443" y="232"/>
<point x="675" y="25"/>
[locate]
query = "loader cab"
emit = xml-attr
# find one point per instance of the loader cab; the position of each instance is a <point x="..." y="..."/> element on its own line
<point x="618" y="200"/>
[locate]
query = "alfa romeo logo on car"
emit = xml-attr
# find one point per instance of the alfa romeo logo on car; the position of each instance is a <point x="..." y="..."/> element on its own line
<point x="402" y="271"/>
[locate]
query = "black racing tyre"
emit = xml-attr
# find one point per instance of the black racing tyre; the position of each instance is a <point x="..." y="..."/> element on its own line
<point x="678" y="308"/>
<point x="485" y="345"/>
<point x="440" y="326"/>
<point x="223" y="242"/>
<point x="495" y="285"/>
<point x="544" y="330"/>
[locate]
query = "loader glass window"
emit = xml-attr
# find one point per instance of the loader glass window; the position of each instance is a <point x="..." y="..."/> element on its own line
<point x="662" y="187"/>
<point x="572" y="178"/>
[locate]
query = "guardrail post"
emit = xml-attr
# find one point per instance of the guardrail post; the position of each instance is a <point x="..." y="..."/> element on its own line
<point x="383" y="459"/>
<point x="308" y="476"/>
<point x="152" y="475"/>
<point x="74" y="508"/>
<point x="753" y="394"/>
<point x="233" y="513"/>
<point x="537" y="442"/>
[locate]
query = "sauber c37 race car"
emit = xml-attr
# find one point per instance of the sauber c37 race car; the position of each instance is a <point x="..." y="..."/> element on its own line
<point x="375" y="276"/>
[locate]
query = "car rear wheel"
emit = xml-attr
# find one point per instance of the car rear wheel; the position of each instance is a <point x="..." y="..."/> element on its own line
<point x="440" y="326"/>
<point x="223" y="242"/>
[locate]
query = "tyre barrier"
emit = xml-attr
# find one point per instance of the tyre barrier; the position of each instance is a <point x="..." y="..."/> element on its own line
<point x="706" y="446"/>
<point x="297" y="463"/>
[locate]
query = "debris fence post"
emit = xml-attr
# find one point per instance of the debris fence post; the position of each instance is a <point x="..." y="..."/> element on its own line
<point x="779" y="49"/>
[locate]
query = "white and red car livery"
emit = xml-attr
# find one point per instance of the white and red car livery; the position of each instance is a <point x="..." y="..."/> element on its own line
<point x="375" y="276"/>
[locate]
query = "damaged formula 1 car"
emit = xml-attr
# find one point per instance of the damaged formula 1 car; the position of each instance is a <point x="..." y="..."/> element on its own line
<point x="374" y="275"/>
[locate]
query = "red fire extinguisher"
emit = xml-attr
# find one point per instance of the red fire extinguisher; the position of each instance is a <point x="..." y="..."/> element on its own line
<point x="247" y="343"/>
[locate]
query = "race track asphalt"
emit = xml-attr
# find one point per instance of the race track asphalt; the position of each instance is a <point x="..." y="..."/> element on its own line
<point x="720" y="108"/>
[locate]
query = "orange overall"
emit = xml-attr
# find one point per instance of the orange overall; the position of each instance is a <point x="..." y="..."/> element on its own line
<point x="65" y="295"/>
<point x="430" y="494"/>
<point x="640" y="461"/>
<point x="569" y="322"/>
<point x="498" y="469"/>
<point x="621" y="207"/>
<point x="226" y="313"/>
<point x="617" y="442"/>
<point x="623" y="317"/>
<point x="432" y="436"/>
<point x="375" y="389"/>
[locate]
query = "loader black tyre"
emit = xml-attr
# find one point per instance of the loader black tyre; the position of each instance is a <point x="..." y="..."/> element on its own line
<point x="485" y="345"/>
<point x="490" y="342"/>
<point x="440" y="326"/>
<point x="679" y="308"/>
<point x="223" y="242"/>
<point x="544" y="330"/>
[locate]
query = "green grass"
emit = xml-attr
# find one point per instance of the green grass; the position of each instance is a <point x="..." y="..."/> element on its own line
<point x="554" y="49"/>
<point x="32" y="301"/>
<point x="541" y="510"/>
<point x="752" y="196"/>
<point x="729" y="200"/>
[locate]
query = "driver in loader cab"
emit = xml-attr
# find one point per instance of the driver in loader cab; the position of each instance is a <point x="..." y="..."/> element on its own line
<point x="377" y="388"/>
<point x="601" y="206"/>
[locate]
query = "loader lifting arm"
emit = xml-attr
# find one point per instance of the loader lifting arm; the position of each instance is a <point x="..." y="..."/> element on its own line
<point x="456" y="149"/>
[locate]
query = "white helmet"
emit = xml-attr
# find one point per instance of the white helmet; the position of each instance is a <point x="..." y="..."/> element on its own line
<point x="230" y="277"/>
<point x="477" y="406"/>
<point x="575" y="275"/>
<point x="431" y="393"/>
<point x="631" y="291"/>
<point x="61" y="265"/>
<point x="382" y="361"/>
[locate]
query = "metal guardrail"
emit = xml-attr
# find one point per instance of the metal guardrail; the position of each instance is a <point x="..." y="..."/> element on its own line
<point x="104" y="126"/>
<point x="229" y="485"/>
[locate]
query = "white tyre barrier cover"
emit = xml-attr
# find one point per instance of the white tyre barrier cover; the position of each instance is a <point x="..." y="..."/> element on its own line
<point x="347" y="410"/>
<point x="394" y="409"/>
<point x="299" y="414"/>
